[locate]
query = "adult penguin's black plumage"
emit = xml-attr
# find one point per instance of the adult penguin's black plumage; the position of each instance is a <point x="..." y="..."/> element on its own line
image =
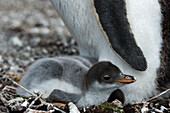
<point x="164" y="70"/>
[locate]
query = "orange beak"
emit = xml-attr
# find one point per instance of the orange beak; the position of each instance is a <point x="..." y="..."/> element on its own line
<point x="126" y="80"/>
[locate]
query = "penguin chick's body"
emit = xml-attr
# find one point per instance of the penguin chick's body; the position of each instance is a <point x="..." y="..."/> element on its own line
<point x="122" y="32"/>
<point x="73" y="79"/>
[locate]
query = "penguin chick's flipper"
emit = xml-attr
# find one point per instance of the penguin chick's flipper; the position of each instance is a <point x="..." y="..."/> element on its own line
<point x="112" y="19"/>
<point x="117" y="94"/>
<point x="61" y="96"/>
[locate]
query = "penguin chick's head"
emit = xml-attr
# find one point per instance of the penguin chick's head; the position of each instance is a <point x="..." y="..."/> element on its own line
<point x="106" y="75"/>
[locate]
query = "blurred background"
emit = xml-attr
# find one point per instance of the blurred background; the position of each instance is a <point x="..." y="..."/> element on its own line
<point x="30" y="30"/>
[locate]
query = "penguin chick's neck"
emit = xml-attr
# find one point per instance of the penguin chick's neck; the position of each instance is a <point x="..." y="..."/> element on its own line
<point x="95" y="93"/>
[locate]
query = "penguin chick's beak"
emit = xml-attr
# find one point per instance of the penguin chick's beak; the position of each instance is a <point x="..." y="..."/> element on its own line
<point x="126" y="79"/>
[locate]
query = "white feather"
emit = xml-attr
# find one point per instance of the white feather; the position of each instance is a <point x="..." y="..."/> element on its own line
<point x="47" y="87"/>
<point x="98" y="93"/>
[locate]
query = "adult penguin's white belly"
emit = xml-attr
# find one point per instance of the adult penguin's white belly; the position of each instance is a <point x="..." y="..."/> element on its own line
<point x="141" y="41"/>
<point x="145" y="20"/>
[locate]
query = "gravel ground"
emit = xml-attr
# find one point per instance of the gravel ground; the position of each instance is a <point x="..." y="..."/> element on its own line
<point x="30" y="30"/>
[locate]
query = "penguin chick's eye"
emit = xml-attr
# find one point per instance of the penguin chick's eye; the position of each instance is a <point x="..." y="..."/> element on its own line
<point x="106" y="77"/>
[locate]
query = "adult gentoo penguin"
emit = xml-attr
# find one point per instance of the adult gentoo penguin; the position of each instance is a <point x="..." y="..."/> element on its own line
<point x="126" y="32"/>
<point x="71" y="79"/>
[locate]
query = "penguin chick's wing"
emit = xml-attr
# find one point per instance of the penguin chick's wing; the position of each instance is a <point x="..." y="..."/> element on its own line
<point x="61" y="96"/>
<point x="112" y="19"/>
<point x="39" y="72"/>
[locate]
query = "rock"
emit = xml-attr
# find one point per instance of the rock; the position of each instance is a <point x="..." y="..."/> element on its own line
<point x="44" y="22"/>
<point x="39" y="30"/>
<point x="5" y="67"/>
<point x="158" y="111"/>
<point x="15" y="104"/>
<point x="44" y="31"/>
<point x="35" y="41"/>
<point x="25" y="103"/>
<point x="5" y="19"/>
<point x="16" y="24"/>
<point x="3" y="109"/>
<point x="117" y="103"/>
<point x="144" y="110"/>
<point x="28" y="48"/>
<point x="163" y="108"/>
<point x="44" y="51"/>
<point x="34" y="30"/>
<point x="73" y="108"/>
<point x="1" y="59"/>
<point x="24" y="63"/>
<point x="13" y="69"/>
<point x="16" y="41"/>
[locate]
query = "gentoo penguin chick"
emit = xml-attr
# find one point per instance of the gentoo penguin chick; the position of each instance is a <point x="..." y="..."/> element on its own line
<point x="73" y="79"/>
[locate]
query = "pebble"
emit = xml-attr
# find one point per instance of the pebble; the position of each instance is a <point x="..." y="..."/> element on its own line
<point x="1" y="59"/>
<point x="15" y="104"/>
<point x="19" y="99"/>
<point x="32" y="59"/>
<point x="73" y="50"/>
<point x="25" y="103"/>
<point x="44" y="31"/>
<point x="5" y="19"/>
<point x="4" y="109"/>
<point x="28" y="48"/>
<point x="73" y="108"/>
<point x="35" y="41"/>
<point x="13" y="69"/>
<point x="144" y="110"/>
<point x="44" y="23"/>
<point x="158" y="111"/>
<point x="44" y="51"/>
<point x="73" y="42"/>
<point x="118" y="103"/>
<point x="163" y="108"/>
<point x="39" y="30"/>
<point x="16" y="23"/>
<point x="16" y="41"/>
<point x="66" y="44"/>
<point x="24" y="63"/>
<point x="5" y="67"/>
<point x="35" y="30"/>
<point x="26" y="55"/>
